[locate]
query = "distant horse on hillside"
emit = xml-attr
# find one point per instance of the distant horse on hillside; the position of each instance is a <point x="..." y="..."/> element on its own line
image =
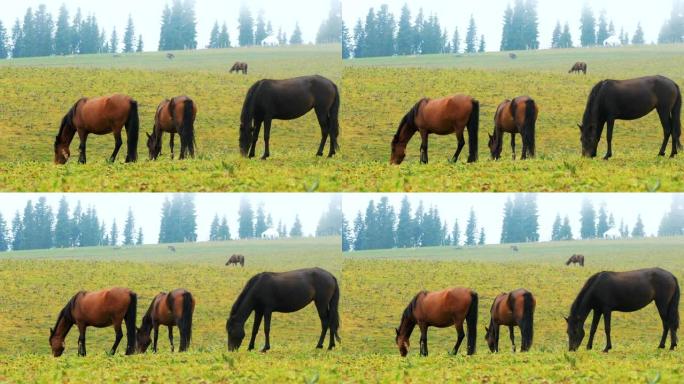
<point x="576" y="259"/>
<point x="236" y="259"/>
<point x="579" y="67"/>
<point x="238" y="67"/>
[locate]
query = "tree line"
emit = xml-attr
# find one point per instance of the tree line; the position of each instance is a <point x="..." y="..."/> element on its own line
<point x="38" y="227"/>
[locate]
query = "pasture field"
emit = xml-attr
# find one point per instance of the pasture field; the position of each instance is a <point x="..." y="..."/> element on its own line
<point x="38" y="92"/>
<point x="379" y="284"/>
<point x="38" y="284"/>
<point x="377" y="93"/>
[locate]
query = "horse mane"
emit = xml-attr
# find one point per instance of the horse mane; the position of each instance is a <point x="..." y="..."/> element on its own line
<point x="409" y="120"/>
<point x="243" y="295"/>
<point x="247" y="115"/>
<point x="583" y="292"/>
<point x="67" y="120"/>
<point x="591" y="102"/>
<point x="408" y="312"/>
<point x="65" y="313"/>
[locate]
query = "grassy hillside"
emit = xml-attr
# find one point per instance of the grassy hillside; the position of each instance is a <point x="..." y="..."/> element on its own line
<point x="378" y="92"/>
<point x="41" y="91"/>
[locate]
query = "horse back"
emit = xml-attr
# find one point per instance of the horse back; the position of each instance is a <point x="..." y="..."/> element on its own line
<point x="102" y="114"/>
<point x="443" y="308"/>
<point x="503" y="118"/>
<point x="445" y="115"/>
<point x="101" y="308"/>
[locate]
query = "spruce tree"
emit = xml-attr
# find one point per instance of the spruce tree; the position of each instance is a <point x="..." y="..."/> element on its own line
<point x="17" y="232"/>
<point x="482" y="237"/>
<point x="471" y="229"/>
<point x="224" y="230"/>
<point x="4" y="240"/>
<point x="507" y="29"/>
<point x="129" y="36"/>
<point x="471" y="36"/>
<point x="114" y="42"/>
<point x="638" y="230"/>
<point x="296" y="38"/>
<point x="346" y="42"/>
<point x="214" y="36"/>
<point x="602" y="224"/>
<point x="531" y="25"/>
<point x="62" y="33"/>
<point x="245" y="220"/>
<point x="296" y="230"/>
<point x="346" y="241"/>
<point x="63" y="225"/>
<point x="556" y="36"/>
<point x="359" y="233"/>
<point x="214" y="229"/>
<point x="140" y="240"/>
<point x="260" y="32"/>
<point x="114" y="235"/>
<point x="76" y="24"/>
<point x="129" y="228"/>
<point x="405" y="33"/>
<point x="456" y="42"/>
<point x="483" y="45"/>
<point x="405" y="225"/>
<point x="188" y="219"/>
<point x="164" y="235"/>
<point x="329" y="31"/>
<point x="602" y="32"/>
<point x="565" y="230"/>
<point x="456" y="234"/>
<point x="566" y="38"/>
<point x="141" y="45"/>
<point x="260" y="225"/>
<point x="588" y="27"/>
<point x="359" y="40"/>
<point x="587" y="220"/>
<point x="246" y="27"/>
<point x="164" y="41"/>
<point x="638" y="38"/>
<point x="224" y="37"/>
<point x="556" y="228"/>
<point x="17" y="41"/>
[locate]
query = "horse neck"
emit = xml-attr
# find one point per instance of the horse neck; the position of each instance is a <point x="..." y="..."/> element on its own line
<point x="66" y="136"/>
<point x="63" y="327"/>
<point x="408" y="323"/>
<point x="244" y="308"/>
<point x="581" y="306"/>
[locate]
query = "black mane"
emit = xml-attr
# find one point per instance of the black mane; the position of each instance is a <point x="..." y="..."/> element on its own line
<point x="409" y="120"/>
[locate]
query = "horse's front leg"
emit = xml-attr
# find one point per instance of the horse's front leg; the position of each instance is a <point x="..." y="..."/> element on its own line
<point x="423" y="340"/>
<point x="156" y="337"/>
<point x="267" y="138"/>
<point x="119" y="336"/>
<point x="83" y="137"/>
<point x="424" y="147"/>
<point x="461" y="336"/>
<point x="609" y="138"/>
<point x="461" y="144"/>
<point x="255" y="138"/>
<point x="594" y="325"/>
<point x="117" y="145"/>
<point x="81" y="340"/>
<point x="255" y="328"/>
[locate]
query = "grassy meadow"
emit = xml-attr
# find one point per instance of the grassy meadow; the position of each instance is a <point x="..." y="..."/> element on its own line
<point x="39" y="91"/>
<point x="377" y="92"/>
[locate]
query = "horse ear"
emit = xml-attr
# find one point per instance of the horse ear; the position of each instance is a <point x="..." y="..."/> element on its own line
<point x="397" y="331"/>
<point x="52" y="331"/>
<point x="148" y="135"/>
<point x="580" y="127"/>
<point x="490" y="136"/>
<point x="486" y="329"/>
<point x="566" y="319"/>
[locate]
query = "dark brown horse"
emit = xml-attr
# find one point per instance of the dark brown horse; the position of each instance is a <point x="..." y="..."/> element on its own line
<point x="515" y="308"/>
<point x="289" y="99"/>
<point x="612" y="100"/>
<point x="579" y="67"/>
<point x="174" y="116"/>
<point x="285" y="292"/>
<point x="606" y="292"/>
<point x="173" y="308"/>
<point x="96" y="309"/>
<point x="100" y="116"/>
<point x="516" y="116"/>
<point x="576" y="259"/>
<point x="442" y="117"/>
<point x="238" y="67"/>
<point x="439" y="309"/>
<point x="236" y="259"/>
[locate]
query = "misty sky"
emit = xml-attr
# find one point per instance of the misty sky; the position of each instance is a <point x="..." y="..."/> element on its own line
<point x="147" y="208"/>
<point x="147" y="15"/>
<point x="489" y="15"/>
<point x="489" y="208"/>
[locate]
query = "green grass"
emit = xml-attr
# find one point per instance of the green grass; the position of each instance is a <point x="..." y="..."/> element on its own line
<point x="40" y="91"/>
<point x="378" y="92"/>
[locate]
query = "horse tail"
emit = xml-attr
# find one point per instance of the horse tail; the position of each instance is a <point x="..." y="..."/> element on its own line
<point x="473" y="127"/>
<point x="471" y="321"/>
<point x="334" y="314"/>
<point x="530" y="124"/>
<point x="132" y="131"/>
<point x="527" y="323"/>
<point x="185" y="321"/>
<point x="246" y="117"/>
<point x="188" y="130"/>
<point x="676" y="118"/>
<point x="333" y="119"/>
<point x="129" y="318"/>
<point x="673" y="309"/>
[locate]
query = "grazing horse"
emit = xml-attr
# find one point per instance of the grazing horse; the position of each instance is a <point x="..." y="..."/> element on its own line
<point x="174" y="116"/>
<point x="238" y="67"/>
<point x="100" y="116"/>
<point x="285" y="292"/>
<point x="171" y="248"/>
<point x="512" y="56"/>
<point x="289" y="99"/>
<point x="442" y="117"/>
<point x="606" y="292"/>
<point x="439" y="309"/>
<point x="96" y="309"/>
<point x="170" y="56"/>
<point x="514" y="248"/>
<point x="576" y="259"/>
<point x="579" y="67"/>
<point x="612" y="100"/>
<point x="236" y="259"/>
<point x="173" y="308"/>
<point x="516" y="116"/>
<point x="515" y="308"/>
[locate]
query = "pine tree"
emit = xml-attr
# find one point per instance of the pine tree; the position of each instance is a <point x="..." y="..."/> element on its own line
<point x="602" y="225"/>
<point x="4" y="240"/>
<point x="114" y="42"/>
<point x="588" y="27"/>
<point x="456" y="42"/>
<point x="224" y="37"/>
<point x="246" y="27"/>
<point x="188" y="219"/>
<point x="296" y="38"/>
<point x="224" y="230"/>
<point x="346" y="42"/>
<point x="114" y="235"/>
<point x="588" y="220"/>
<point x="260" y="225"/>
<point x="129" y="228"/>
<point x="566" y="38"/>
<point x="164" y="41"/>
<point x="482" y="237"/>
<point x="17" y="232"/>
<point x="470" y="40"/>
<point x="329" y="31"/>
<point x="456" y="234"/>
<point x="638" y="230"/>
<point x="638" y="38"/>
<point x="507" y="29"/>
<point x="556" y="36"/>
<point x="214" y="230"/>
<point x="296" y="230"/>
<point x="359" y="41"/>
<point x="359" y="233"/>
<point x="482" y="44"/>
<point x="246" y="220"/>
<point x="129" y="36"/>
<point x="405" y="33"/>
<point x="565" y="230"/>
<point x="346" y="241"/>
<point x="63" y="225"/>
<point x="602" y="33"/>
<point x="556" y="228"/>
<point x="62" y="33"/>
<point x="260" y="32"/>
<point x="140" y="240"/>
<point x="405" y="225"/>
<point x="471" y="229"/>
<point x="141" y="46"/>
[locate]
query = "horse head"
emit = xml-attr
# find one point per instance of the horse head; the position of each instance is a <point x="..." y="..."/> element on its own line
<point x="575" y="332"/>
<point x="588" y="138"/>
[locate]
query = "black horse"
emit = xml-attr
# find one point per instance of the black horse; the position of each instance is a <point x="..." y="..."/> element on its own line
<point x="287" y="100"/>
<point x="285" y="292"/>
<point x="612" y="100"/>
<point x="605" y="292"/>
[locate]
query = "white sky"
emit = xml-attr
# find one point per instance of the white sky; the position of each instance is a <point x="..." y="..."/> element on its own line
<point x="147" y="208"/>
<point x="489" y="15"/>
<point x="147" y="15"/>
<point x="489" y="208"/>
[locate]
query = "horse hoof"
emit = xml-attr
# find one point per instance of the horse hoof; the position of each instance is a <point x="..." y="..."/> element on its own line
<point x="320" y="346"/>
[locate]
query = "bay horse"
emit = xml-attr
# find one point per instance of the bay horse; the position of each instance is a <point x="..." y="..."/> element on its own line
<point x="236" y="259"/>
<point x="579" y="67"/>
<point x="442" y="117"/>
<point x="605" y="292"/>
<point x="172" y="308"/>
<point x="176" y="115"/>
<point x="238" y="67"/>
<point x="439" y="309"/>
<point x="612" y="100"/>
<point x="96" y="309"/>
<point x="285" y="292"/>
<point x="515" y="308"/>
<point x="289" y="99"/>
<point x="515" y="116"/>
<point x="99" y="116"/>
<point x="576" y="259"/>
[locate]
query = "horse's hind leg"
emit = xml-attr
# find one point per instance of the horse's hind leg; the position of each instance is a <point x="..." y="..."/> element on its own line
<point x="325" y="130"/>
<point x="667" y="132"/>
<point x="117" y="145"/>
<point x="461" y="144"/>
<point x="662" y="311"/>
<point x="606" y="324"/>
<point x="255" y="137"/>
<point x="461" y="336"/>
<point x="609" y="139"/>
<point x="322" y="309"/>
<point x="119" y="336"/>
<point x="267" y="139"/>
<point x="171" y="337"/>
<point x="511" y="331"/>
<point x="513" y="144"/>
<point x="267" y="331"/>
<point x="171" y="144"/>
